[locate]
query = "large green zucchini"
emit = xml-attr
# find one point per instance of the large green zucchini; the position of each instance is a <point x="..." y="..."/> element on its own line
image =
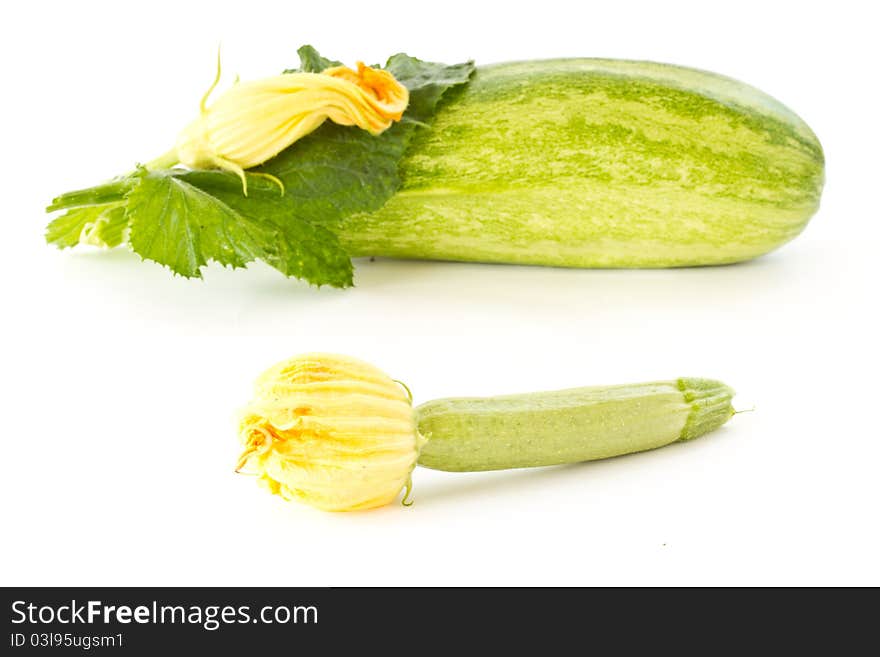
<point x="599" y="163"/>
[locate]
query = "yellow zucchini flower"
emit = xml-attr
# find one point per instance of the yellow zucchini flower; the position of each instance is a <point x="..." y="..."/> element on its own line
<point x="253" y="121"/>
<point x="331" y="431"/>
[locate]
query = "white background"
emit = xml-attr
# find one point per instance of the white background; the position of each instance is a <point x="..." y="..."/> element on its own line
<point x="119" y="382"/>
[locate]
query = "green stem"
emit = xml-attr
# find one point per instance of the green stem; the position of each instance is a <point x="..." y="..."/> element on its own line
<point x="112" y="192"/>
<point x="568" y="426"/>
<point x="164" y="161"/>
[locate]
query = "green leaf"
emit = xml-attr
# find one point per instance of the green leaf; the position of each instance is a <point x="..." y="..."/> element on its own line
<point x="427" y="82"/>
<point x="65" y="231"/>
<point x="311" y="61"/>
<point x="298" y="247"/>
<point x="339" y="170"/>
<point x="182" y="227"/>
<point x="109" y="229"/>
<point x="184" y="219"/>
<point x="101" y="225"/>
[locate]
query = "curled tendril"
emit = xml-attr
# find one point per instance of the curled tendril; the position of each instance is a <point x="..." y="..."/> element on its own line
<point x="409" y="394"/>
<point x="407" y="491"/>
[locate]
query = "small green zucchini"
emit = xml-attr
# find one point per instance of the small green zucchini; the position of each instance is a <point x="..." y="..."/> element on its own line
<point x="599" y="163"/>
<point x="567" y="426"/>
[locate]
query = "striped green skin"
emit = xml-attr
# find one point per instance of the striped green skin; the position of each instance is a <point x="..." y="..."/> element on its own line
<point x="599" y="163"/>
<point x="568" y="426"/>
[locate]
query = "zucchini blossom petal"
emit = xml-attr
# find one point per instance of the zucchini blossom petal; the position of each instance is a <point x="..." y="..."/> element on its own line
<point x="331" y="431"/>
<point x="254" y="121"/>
